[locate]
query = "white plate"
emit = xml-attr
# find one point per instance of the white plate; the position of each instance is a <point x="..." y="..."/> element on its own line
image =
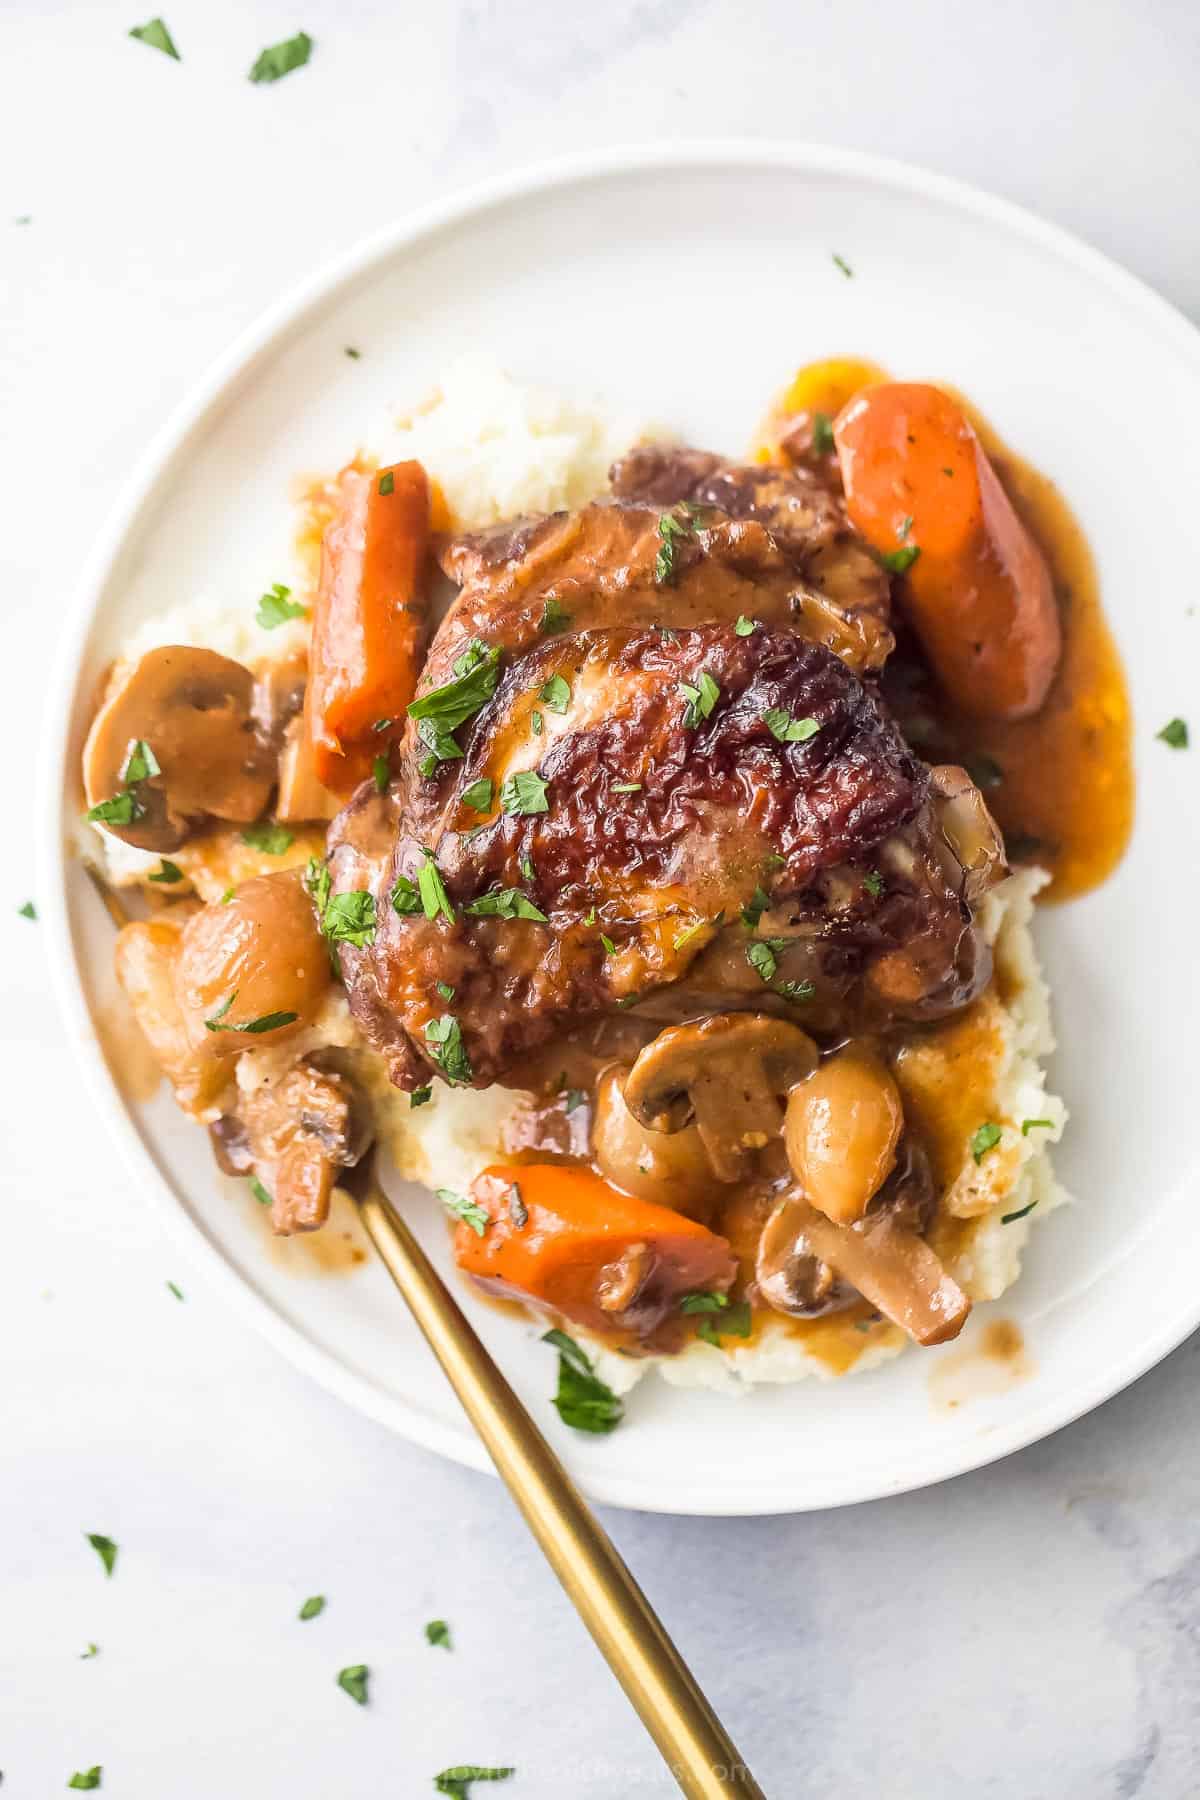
<point x="688" y="285"/>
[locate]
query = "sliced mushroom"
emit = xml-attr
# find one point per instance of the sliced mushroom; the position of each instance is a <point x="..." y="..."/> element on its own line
<point x="729" y="1074"/>
<point x="295" y="1135"/>
<point x="789" y="1277"/>
<point x="193" y="709"/>
<point x="891" y="1266"/>
<point x="301" y="796"/>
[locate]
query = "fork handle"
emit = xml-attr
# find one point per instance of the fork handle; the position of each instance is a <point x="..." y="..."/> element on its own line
<point x="624" y="1626"/>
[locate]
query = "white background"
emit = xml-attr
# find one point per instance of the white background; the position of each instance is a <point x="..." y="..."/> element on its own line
<point x="1027" y="1631"/>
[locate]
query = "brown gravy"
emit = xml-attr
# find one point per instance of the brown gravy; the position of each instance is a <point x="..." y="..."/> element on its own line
<point x="997" y="1362"/>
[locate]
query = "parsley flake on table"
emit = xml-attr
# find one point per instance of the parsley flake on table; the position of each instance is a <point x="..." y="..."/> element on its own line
<point x="29" y="910"/>
<point x="276" y="607"/>
<point x="175" y="1289"/>
<point x="985" y="1139"/>
<point x="353" y="1681"/>
<point x="352" y="352"/>
<point x="700" y="699"/>
<point x="584" y="1402"/>
<point x="437" y="1632"/>
<point x="105" y="1549"/>
<point x="787" y="730"/>
<point x="86" y="1779"/>
<point x="87" y="1654"/>
<point x="455" y="1782"/>
<point x="267" y="836"/>
<point x="445" y="1049"/>
<point x="278" y="60"/>
<point x="157" y="36"/>
<point x="1174" y="734"/>
<point x="313" y="1606"/>
<point x="524" y="793"/>
<point x="841" y="263"/>
<point x="464" y="1208"/>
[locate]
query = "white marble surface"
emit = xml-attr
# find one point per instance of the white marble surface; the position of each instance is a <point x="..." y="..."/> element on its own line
<point x="1029" y="1631"/>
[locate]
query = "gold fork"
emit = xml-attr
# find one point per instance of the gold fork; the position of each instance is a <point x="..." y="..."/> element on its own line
<point x="658" y="1683"/>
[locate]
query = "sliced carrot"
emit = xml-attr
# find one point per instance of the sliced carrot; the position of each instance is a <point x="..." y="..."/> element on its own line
<point x="369" y="623"/>
<point x="978" y="591"/>
<point x="562" y="1241"/>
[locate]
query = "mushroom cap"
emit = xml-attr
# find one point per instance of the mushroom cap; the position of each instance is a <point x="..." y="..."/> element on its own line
<point x="728" y="1073"/>
<point x="194" y="709"/>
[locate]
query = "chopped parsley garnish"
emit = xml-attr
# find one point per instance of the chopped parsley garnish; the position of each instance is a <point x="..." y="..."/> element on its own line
<point x="524" y="792"/>
<point x="352" y="352"/>
<point x="535" y="722"/>
<point x="695" y="929"/>
<point x="381" y="770"/>
<point x="744" y="626"/>
<point x="787" y="730"/>
<point x="276" y="607"/>
<point x="590" y="916"/>
<point x="584" y="1402"/>
<point x="703" y="1303"/>
<point x="141" y="762"/>
<point x="455" y="1782"/>
<point x="610" y="949"/>
<point x="382" y="724"/>
<point x="1007" y="1218"/>
<point x="314" y="1605"/>
<point x="796" y="990"/>
<point x="175" y="1289"/>
<point x="985" y="1139"/>
<point x="527" y="867"/>
<point x="479" y="795"/>
<point x="440" y="712"/>
<point x="353" y="1681"/>
<point x="556" y="693"/>
<point x="984" y="770"/>
<point x="445" y="1048"/>
<point x="259" y="1191"/>
<point x="731" y="1321"/>
<point x="387" y="483"/>
<point x="168" y="872"/>
<point x="762" y="956"/>
<point x="87" y="1654"/>
<point x="518" y="1212"/>
<point x="904" y="527"/>
<point x="753" y="912"/>
<point x="29" y="910"/>
<point x="897" y="561"/>
<point x="343" y="918"/>
<point x="445" y="990"/>
<point x="105" y="1549"/>
<point x="157" y="36"/>
<point x="873" y="883"/>
<point x="466" y="1209"/>
<point x="406" y="897"/>
<point x="432" y="890"/>
<point x="122" y="809"/>
<point x="1175" y="734"/>
<point x="420" y="1097"/>
<point x="841" y="263"/>
<point x="700" y="699"/>
<point x="438" y="1632"/>
<point x="670" y="528"/>
<point x="227" y="896"/>
<point x="554" y="618"/>
<point x="86" y="1779"/>
<point x="1028" y="1125"/>
<point x="268" y="837"/>
<point x="573" y="1098"/>
<point x="626" y="787"/>
<point x="504" y="903"/>
<point x="822" y="434"/>
<point x="254" y="1027"/>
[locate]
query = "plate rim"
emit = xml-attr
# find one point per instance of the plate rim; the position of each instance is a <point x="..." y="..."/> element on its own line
<point x="217" y="387"/>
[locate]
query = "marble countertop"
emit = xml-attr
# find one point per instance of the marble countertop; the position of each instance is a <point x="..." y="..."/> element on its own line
<point x="1028" y="1631"/>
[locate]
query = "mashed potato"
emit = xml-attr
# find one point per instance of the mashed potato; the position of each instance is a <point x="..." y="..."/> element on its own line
<point x="497" y="449"/>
